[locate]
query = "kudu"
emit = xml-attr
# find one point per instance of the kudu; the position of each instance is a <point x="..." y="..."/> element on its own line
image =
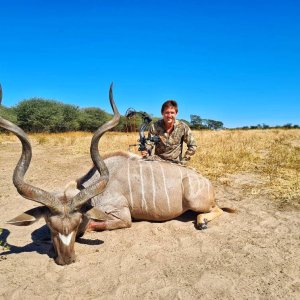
<point x="118" y="188"/>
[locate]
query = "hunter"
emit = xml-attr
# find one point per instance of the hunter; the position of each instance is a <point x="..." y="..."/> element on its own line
<point x="171" y="134"/>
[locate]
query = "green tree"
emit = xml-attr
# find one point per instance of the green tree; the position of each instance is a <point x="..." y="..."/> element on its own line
<point x="40" y="115"/>
<point x="265" y="126"/>
<point x="212" y="124"/>
<point x="91" y="118"/>
<point x="70" y="115"/>
<point x="196" y="122"/>
<point x="287" y="126"/>
<point x="122" y="125"/>
<point x="8" y="113"/>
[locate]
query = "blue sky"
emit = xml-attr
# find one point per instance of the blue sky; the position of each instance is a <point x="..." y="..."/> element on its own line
<point x="233" y="61"/>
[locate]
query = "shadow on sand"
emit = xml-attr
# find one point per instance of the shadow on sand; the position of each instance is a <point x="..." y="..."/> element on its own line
<point x="41" y="243"/>
<point x="40" y="246"/>
<point x="188" y="216"/>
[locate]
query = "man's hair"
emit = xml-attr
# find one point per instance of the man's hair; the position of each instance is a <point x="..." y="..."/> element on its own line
<point x="169" y="103"/>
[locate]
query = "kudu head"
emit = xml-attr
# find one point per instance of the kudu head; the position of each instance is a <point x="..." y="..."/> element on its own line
<point x="62" y="212"/>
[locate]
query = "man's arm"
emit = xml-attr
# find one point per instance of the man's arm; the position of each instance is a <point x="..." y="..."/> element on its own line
<point x="190" y="142"/>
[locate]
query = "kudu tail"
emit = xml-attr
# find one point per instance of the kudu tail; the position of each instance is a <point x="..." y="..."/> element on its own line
<point x="229" y="210"/>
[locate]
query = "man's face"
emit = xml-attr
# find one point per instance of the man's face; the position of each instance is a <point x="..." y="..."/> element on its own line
<point x="169" y="115"/>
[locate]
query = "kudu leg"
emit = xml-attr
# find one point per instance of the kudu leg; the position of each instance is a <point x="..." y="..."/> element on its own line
<point x="110" y="220"/>
<point x="203" y="218"/>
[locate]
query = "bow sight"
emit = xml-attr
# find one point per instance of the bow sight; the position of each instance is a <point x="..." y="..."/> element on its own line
<point x="130" y="113"/>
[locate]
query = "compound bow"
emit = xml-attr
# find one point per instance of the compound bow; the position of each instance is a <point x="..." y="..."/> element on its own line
<point x="142" y="139"/>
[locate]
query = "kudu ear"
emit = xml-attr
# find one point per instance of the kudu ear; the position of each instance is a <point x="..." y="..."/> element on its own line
<point x="29" y="217"/>
<point x="97" y="214"/>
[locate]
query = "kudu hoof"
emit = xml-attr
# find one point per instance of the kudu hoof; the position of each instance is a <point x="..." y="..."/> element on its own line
<point x="202" y="226"/>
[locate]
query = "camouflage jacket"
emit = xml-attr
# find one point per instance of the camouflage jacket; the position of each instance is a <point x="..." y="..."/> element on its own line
<point x="169" y="146"/>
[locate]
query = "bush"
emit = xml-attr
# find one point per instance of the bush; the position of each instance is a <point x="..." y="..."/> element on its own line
<point x="8" y="114"/>
<point x="40" y="115"/>
<point x="91" y="118"/>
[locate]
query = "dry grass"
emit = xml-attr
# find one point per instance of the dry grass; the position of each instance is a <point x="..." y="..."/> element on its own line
<point x="273" y="155"/>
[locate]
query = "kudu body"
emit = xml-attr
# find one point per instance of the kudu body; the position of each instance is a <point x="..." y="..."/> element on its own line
<point x="148" y="190"/>
<point x="116" y="190"/>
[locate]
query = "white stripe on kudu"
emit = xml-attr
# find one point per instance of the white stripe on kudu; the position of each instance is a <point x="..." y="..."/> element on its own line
<point x="165" y="186"/>
<point x="181" y="178"/>
<point x="153" y="186"/>
<point x="144" y="202"/>
<point x="201" y="183"/>
<point x="195" y="188"/>
<point x="189" y="181"/>
<point x="129" y="182"/>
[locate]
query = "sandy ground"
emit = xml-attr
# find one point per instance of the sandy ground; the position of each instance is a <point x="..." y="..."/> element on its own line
<point x="252" y="254"/>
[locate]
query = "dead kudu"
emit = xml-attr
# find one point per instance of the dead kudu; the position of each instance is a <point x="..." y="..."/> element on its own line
<point x="120" y="187"/>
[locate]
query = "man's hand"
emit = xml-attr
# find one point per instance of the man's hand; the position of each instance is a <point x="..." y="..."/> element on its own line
<point x="185" y="159"/>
